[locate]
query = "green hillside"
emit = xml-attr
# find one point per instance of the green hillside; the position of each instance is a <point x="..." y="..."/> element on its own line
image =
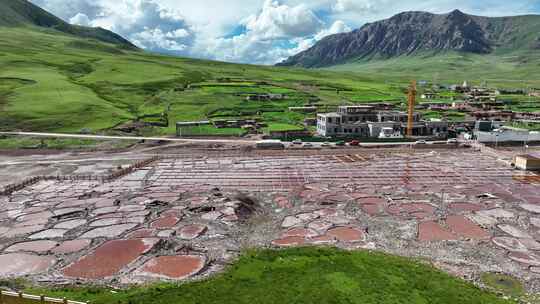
<point x="51" y="81"/>
<point x="17" y="13"/>
<point x="62" y="78"/>
<point x="506" y="69"/>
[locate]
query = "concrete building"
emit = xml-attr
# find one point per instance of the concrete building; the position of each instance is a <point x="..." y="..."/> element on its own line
<point x="527" y="162"/>
<point x="310" y="122"/>
<point x="365" y="121"/>
<point x="504" y="134"/>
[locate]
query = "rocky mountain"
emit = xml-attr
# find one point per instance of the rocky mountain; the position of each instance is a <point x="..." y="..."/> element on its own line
<point x="14" y="13"/>
<point x="412" y="33"/>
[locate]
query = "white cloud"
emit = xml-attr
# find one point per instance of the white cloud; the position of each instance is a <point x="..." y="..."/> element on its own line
<point x="147" y="24"/>
<point x="68" y="9"/>
<point x="180" y="33"/>
<point x="156" y="39"/>
<point x="80" y="19"/>
<point x="337" y="27"/>
<point x="354" y="5"/>
<point x="144" y="22"/>
<point x="273" y="34"/>
<point x="358" y="12"/>
<point x="282" y="21"/>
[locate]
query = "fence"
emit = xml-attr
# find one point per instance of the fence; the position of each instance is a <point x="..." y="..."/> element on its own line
<point x="8" y="297"/>
<point x="9" y="189"/>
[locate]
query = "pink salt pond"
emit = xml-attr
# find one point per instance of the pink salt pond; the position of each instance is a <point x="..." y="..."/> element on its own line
<point x="15" y="232"/>
<point x="35" y="246"/>
<point x="301" y="232"/>
<point x="322" y="240"/>
<point x="525" y="258"/>
<point x="432" y="231"/>
<point x="372" y="209"/>
<point x="416" y="210"/>
<point x="20" y="264"/>
<point x="165" y="222"/>
<point x="173" y="267"/>
<point x="346" y="234"/>
<point x="508" y="243"/>
<point x="68" y="247"/>
<point x="191" y="232"/>
<point x="283" y="202"/>
<point x="463" y="207"/>
<point x="289" y="241"/>
<point x="372" y="201"/>
<point x="108" y="259"/>
<point x="464" y="227"/>
<point x="141" y="234"/>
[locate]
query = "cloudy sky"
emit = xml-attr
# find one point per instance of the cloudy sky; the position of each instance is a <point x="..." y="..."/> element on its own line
<point x="251" y="31"/>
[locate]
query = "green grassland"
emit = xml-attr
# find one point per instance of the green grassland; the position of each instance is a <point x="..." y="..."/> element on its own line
<point x="304" y="275"/>
<point x="13" y="143"/>
<point x="50" y="81"/>
<point x="511" y="69"/>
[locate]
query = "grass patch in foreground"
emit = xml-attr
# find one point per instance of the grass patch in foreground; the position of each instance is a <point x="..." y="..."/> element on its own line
<point x="14" y="143"/>
<point x="504" y="283"/>
<point x="304" y="275"/>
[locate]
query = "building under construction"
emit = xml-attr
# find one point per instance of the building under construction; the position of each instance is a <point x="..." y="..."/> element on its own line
<point x="365" y="121"/>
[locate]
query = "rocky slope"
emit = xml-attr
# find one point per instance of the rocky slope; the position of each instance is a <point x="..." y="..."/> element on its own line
<point x="412" y="33"/>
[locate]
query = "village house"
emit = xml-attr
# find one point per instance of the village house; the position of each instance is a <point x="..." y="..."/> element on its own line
<point x="534" y="94"/>
<point x="265" y="97"/>
<point x="494" y="115"/>
<point x="309" y="109"/>
<point x="481" y="95"/>
<point x="429" y="95"/>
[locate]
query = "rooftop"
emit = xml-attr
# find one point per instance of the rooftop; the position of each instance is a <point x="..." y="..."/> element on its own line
<point x="333" y="114"/>
<point x="530" y="156"/>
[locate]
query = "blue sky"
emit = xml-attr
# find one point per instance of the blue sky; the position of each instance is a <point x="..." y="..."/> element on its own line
<point x="251" y="31"/>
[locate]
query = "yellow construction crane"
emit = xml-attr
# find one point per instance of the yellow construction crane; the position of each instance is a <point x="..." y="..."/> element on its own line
<point x="412" y="102"/>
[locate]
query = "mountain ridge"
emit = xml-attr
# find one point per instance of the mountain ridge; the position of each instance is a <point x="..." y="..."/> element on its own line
<point x="410" y="33"/>
<point x="16" y="13"/>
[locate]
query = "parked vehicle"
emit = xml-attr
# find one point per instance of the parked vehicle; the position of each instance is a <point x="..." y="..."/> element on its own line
<point x="326" y="144"/>
<point x="354" y="143"/>
<point x="270" y="144"/>
<point x="452" y="141"/>
<point x="421" y="142"/>
<point x="297" y="142"/>
<point x="308" y="145"/>
<point x="340" y="143"/>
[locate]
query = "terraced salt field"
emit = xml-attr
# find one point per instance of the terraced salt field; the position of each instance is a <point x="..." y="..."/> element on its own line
<point x="187" y="217"/>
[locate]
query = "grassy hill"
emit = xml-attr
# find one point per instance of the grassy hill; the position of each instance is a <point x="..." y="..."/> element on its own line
<point x="506" y="69"/>
<point x="17" y="13"/>
<point x="61" y="78"/>
<point x="52" y="81"/>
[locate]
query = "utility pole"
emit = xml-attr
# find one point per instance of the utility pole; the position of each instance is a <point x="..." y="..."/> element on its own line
<point x="412" y="102"/>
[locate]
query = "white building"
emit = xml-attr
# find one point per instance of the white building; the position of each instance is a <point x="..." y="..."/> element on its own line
<point x="364" y="121"/>
<point x="507" y="134"/>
